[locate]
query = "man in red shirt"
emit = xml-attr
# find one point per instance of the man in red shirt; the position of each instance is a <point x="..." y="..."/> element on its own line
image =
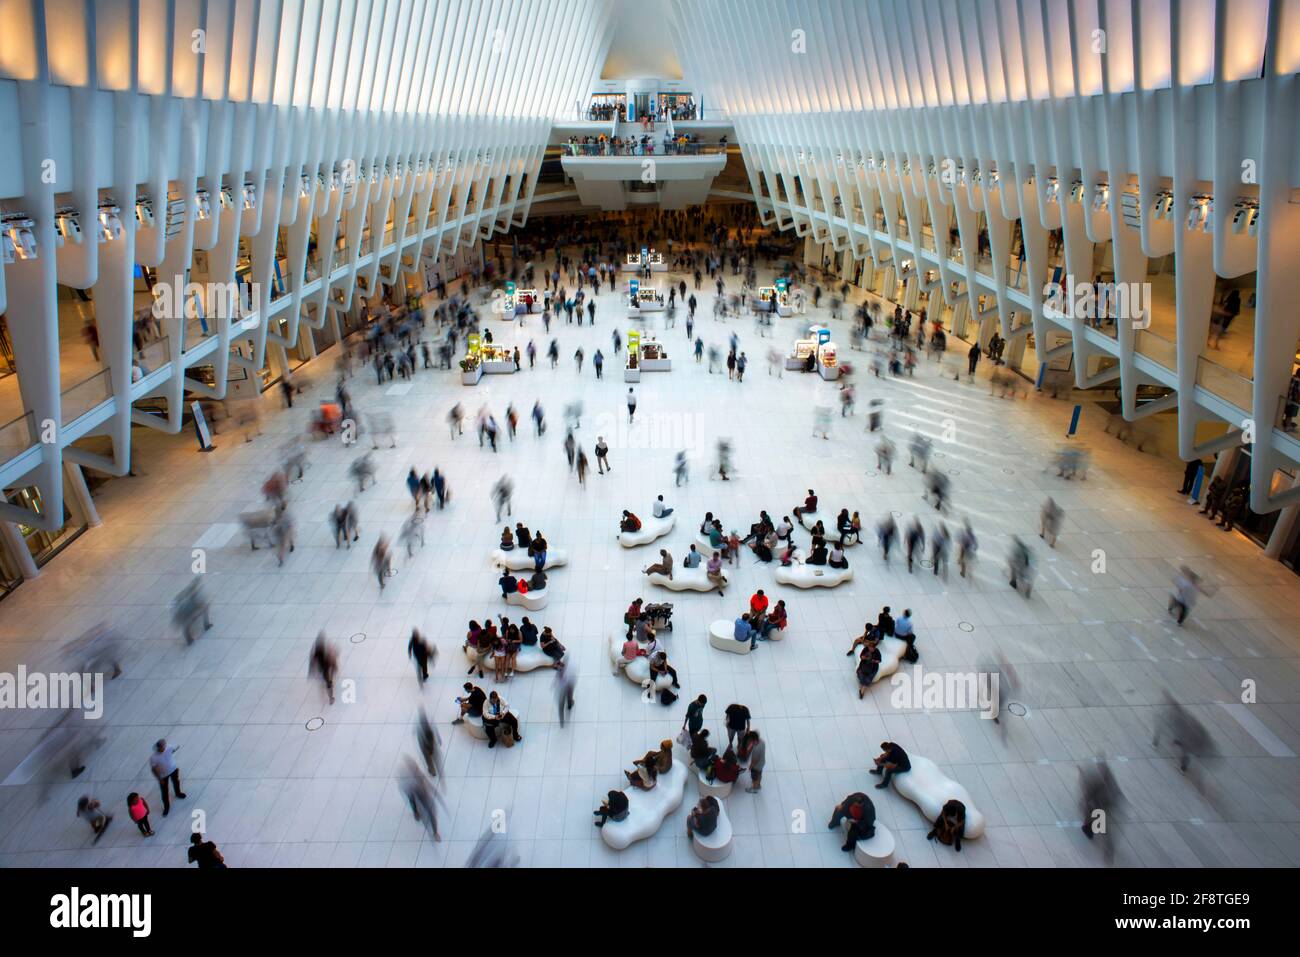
<point x="758" y="604"/>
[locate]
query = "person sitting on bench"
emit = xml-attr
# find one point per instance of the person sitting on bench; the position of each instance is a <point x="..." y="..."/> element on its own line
<point x="703" y="819"/>
<point x="551" y="646"/>
<point x="892" y="760"/>
<point x="837" y="559"/>
<point x="613" y="808"/>
<point x="950" y="825"/>
<point x="523" y="537"/>
<point x="861" y="814"/>
<point x="819" y="553"/>
<point x="663" y="567"/>
<point x="630" y="522"/>
<point x="809" y="505"/>
<point x="509" y="584"/>
<point x="507" y="540"/>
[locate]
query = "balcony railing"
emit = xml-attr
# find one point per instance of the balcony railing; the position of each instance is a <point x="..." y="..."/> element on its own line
<point x="1225" y="383"/>
<point x="79" y="399"/>
<point x="17" y="437"/>
<point x="635" y="148"/>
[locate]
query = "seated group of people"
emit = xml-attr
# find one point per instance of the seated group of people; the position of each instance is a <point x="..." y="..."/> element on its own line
<point x="630" y="523"/>
<point x="509" y="583"/>
<point x="765" y="539"/>
<point x="493" y="711"/>
<point x="869" y="658"/>
<point x="646" y="769"/>
<point x="759" y="622"/>
<point x="846" y="526"/>
<point x="534" y="544"/>
<point x="504" y="645"/>
<point x="819" y="554"/>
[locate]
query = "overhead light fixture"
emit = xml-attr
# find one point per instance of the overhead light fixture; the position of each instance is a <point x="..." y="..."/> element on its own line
<point x="994" y="179"/>
<point x="1052" y="190"/>
<point x="250" y="195"/>
<point x="110" y="221"/>
<point x="1076" y="191"/>
<point x="1162" y="207"/>
<point x="1200" y="213"/>
<point x="304" y="190"/>
<point x="144" y="211"/>
<point x="1245" y="215"/>
<point x="202" y="204"/>
<point x="226" y="197"/>
<point x="1100" y="197"/>
<point x="67" y="223"/>
<point x="19" y="237"/>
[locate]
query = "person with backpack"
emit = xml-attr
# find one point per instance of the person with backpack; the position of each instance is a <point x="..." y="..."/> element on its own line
<point x="858" y="810"/>
<point x="204" y="853"/>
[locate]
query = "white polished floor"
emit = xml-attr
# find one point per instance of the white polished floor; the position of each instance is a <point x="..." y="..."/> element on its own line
<point x="1094" y="651"/>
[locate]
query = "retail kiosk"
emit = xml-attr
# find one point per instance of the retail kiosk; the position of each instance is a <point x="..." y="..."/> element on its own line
<point x="483" y="358"/>
<point x="635" y="262"/>
<point x="528" y="302"/>
<point x="817" y="344"/>
<point x="643" y="299"/>
<point x="775" y="299"/>
<point x="654" y="357"/>
<point x="632" y="369"/>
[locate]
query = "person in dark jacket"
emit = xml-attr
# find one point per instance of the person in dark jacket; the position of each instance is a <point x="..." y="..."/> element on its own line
<point x="1234" y="506"/>
<point x="892" y="760"/>
<point x="613" y="808"/>
<point x="861" y="815"/>
<point x="703" y="819"/>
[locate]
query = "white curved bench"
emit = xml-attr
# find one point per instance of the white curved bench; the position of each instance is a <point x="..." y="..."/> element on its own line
<point x="930" y="789"/>
<point x="646" y="810"/>
<point x="651" y="528"/>
<point x="891" y="656"/>
<point x="828" y="522"/>
<point x="518" y="560"/>
<point x="716" y="846"/>
<point x="684" y="579"/>
<point x="718" y="789"/>
<point x="813" y="576"/>
<point x="706" y="548"/>
<point x="875" y="851"/>
<point x="533" y="600"/>
<point x="722" y="636"/>
<point x="475" y="727"/>
<point x="638" y="671"/>
<point x="530" y="658"/>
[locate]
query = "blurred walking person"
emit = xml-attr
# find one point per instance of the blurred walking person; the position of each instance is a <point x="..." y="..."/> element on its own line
<point x="324" y="661"/>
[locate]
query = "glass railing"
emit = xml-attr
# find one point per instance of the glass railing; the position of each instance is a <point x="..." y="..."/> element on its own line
<point x="17" y="437"/>
<point x="635" y="148"/>
<point x="1288" y="412"/>
<point x="154" y="356"/>
<point x="927" y="238"/>
<point x="1017" y="275"/>
<point x="79" y="399"/>
<point x="1156" y="348"/>
<point x="198" y="328"/>
<point x="1225" y="383"/>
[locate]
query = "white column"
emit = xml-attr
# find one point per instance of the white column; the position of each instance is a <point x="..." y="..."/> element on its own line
<point x="13" y="540"/>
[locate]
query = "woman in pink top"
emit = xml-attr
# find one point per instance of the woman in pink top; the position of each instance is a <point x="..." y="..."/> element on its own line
<point x="138" y="808"/>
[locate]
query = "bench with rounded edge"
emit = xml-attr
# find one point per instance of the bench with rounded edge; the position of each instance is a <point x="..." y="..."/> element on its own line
<point x="651" y="529"/>
<point x="646" y="810"/>
<point x="637" y="670"/>
<point x="926" y="786"/>
<point x="518" y="559"/>
<point x="684" y="579"/>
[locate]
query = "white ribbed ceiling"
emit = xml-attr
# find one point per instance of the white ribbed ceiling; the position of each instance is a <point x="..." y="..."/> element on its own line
<point x="540" y="57"/>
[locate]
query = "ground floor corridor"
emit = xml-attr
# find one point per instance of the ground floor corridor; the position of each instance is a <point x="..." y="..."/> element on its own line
<point x="1093" y="649"/>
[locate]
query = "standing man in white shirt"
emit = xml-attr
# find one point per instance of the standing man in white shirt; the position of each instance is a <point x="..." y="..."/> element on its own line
<point x="163" y="765"/>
